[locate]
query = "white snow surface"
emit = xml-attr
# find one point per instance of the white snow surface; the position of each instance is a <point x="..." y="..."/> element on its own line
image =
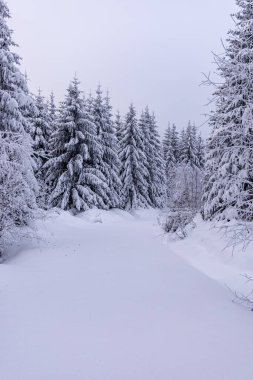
<point x="102" y="297"/>
<point x="208" y="249"/>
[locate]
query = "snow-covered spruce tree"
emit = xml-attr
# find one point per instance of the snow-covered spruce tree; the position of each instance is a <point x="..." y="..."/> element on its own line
<point x="134" y="172"/>
<point x="111" y="155"/>
<point x="17" y="182"/>
<point x="171" y="141"/>
<point x="175" y="142"/>
<point x="72" y="173"/>
<point x="52" y="110"/>
<point x="109" y="163"/>
<point x="166" y="143"/>
<point x="170" y="166"/>
<point x="157" y="167"/>
<point x="29" y="111"/>
<point x="89" y="104"/>
<point x="41" y="130"/>
<point x="181" y="144"/>
<point x="189" y="171"/>
<point x="229" y="163"/>
<point x="201" y="151"/>
<point x="52" y="115"/>
<point x="119" y="125"/>
<point x="189" y="146"/>
<point x="155" y="161"/>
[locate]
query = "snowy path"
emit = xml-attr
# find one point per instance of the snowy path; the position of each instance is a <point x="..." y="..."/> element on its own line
<point x="109" y="301"/>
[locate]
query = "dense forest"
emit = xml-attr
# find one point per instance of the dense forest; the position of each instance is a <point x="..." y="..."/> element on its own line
<point x="79" y="155"/>
<point x="125" y="245"/>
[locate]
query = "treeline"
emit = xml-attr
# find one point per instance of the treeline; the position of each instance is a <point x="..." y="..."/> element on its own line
<point x="85" y="157"/>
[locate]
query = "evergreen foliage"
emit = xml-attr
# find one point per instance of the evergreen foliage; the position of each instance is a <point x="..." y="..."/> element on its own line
<point x="119" y="126"/>
<point x="189" y="147"/>
<point x="76" y="181"/>
<point x="229" y="164"/>
<point x="155" y="161"/>
<point x="41" y="130"/>
<point x="17" y="182"/>
<point x="170" y="164"/>
<point x="109" y="163"/>
<point x="184" y="161"/>
<point x="52" y="110"/>
<point x="134" y="169"/>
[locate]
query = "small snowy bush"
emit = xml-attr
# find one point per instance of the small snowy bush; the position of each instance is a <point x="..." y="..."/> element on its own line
<point x="178" y="222"/>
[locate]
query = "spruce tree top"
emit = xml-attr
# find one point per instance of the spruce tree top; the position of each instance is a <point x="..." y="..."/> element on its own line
<point x="41" y="124"/>
<point x="52" y="107"/>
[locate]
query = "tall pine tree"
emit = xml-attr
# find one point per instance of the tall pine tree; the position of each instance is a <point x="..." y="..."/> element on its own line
<point x="109" y="163"/>
<point x="229" y="166"/>
<point x="77" y="183"/>
<point x="17" y="182"/>
<point x="189" y="147"/>
<point x="119" y="125"/>
<point x="52" y="110"/>
<point x="134" y="172"/>
<point x="155" y="161"/>
<point x="41" y="130"/>
<point x="170" y="165"/>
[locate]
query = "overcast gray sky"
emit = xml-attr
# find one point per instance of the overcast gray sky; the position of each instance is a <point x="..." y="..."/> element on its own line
<point x="144" y="51"/>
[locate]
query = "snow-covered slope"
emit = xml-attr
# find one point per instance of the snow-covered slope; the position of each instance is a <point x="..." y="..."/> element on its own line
<point x="100" y="297"/>
<point x="207" y="249"/>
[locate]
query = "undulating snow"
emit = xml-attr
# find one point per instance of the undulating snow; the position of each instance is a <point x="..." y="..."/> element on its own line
<point x="101" y="297"/>
<point x="207" y="249"/>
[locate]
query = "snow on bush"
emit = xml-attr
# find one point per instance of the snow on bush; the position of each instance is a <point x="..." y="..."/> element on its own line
<point x="178" y="222"/>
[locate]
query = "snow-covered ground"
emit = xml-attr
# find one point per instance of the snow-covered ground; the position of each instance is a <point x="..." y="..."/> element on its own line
<point x="207" y="249"/>
<point x="102" y="296"/>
